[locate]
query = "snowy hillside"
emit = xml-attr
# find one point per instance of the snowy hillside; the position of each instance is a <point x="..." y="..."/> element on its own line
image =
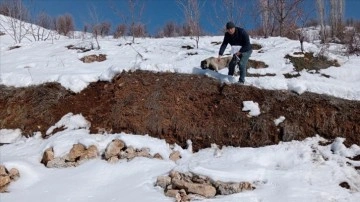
<point x="291" y="171"/>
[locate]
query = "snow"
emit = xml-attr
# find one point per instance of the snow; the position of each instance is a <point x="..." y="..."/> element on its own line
<point x="252" y="107"/>
<point x="290" y="171"/>
<point x="279" y="120"/>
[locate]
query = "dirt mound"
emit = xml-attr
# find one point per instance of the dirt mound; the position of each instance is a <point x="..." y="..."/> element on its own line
<point x="178" y="107"/>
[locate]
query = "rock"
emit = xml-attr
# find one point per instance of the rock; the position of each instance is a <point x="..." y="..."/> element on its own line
<point x="171" y="192"/>
<point x="91" y="152"/>
<point x="174" y="156"/>
<point x="114" y="148"/>
<point x="4" y="180"/>
<point x="48" y="156"/>
<point x="232" y="188"/>
<point x="76" y="152"/>
<point x="158" y="156"/>
<point x="7" y="176"/>
<point x="3" y="171"/>
<point x="130" y="153"/>
<point x="144" y="152"/>
<point x="205" y="190"/>
<point x="58" y="163"/>
<point x="184" y="186"/>
<point x="175" y="175"/>
<point x="14" y="174"/>
<point x="200" y="179"/>
<point x="163" y="181"/>
<point x="113" y="159"/>
<point x="183" y="196"/>
<point x="246" y="186"/>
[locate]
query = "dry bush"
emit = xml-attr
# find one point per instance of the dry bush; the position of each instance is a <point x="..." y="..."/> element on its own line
<point x="311" y="62"/>
<point x="120" y="31"/>
<point x="65" y="24"/>
<point x="352" y="41"/>
<point x="102" y="29"/>
<point x="171" y="29"/>
<point x="15" y="25"/>
<point x="93" y="58"/>
<point x="15" y="9"/>
<point x="257" y="64"/>
<point x="138" y="30"/>
<point x="42" y="27"/>
<point x="4" y="8"/>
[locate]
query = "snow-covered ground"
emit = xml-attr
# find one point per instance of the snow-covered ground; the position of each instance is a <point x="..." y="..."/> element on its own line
<point x="291" y="171"/>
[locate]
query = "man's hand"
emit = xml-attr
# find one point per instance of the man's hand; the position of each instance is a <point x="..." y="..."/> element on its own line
<point x="218" y="59"/>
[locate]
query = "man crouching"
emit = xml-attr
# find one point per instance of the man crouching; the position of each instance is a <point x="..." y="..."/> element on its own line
<point x="236" y="36"/>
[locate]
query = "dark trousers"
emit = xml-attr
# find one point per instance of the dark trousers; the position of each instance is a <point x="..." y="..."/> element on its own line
<point x="241" y="61"/>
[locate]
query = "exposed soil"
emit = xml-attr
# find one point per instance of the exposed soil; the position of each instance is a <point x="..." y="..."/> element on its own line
<point x="179" y="107"/>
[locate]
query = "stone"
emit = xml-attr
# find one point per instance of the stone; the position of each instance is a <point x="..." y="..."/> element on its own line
<point x="114" y="148"/>
<point x="205" y="190"/>
<point x="144" y="152"/>
<point x="4" y="180"/>
<point x="14" y="174"/>
<point x="174" y="156"/>
<point x="3" y="171"/>
<point x="57" y="163"/>
<point x="130" y="153"/>
<point x="171" y="193"/>
<point x="158" y="156"/>
<point x="175" y="175"/>
<point x="113" y="159"/>
<point x="76" y="152"/>
<point x="163" y="181"/>
<point x="232" y="188"/>
<point x="91" y="152"/>
<point x="48" y="156"/>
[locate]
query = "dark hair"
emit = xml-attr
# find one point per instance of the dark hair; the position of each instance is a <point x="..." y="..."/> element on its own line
<point x="230" y="25"/>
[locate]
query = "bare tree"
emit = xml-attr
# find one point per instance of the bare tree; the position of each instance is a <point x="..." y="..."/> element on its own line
<point x="276" y="15"/>
<point x="95" y="25"/>
<point x="133" y="20"/>
<point x="285" y="13"/>
<point x="191" y="10"/>
<point x="321" y="13"/>
<point x="337" y="8"/>
<point x="65" y="24"/>
<point x="224" y="11"/>
<point x="15" y="24"/>
<point x="266" y="18"/>
<point x="42" y="27"/>
<point x="136" y="8"/>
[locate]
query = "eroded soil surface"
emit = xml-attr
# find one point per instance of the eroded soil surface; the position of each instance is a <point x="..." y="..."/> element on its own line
<point x="179" y="107"/>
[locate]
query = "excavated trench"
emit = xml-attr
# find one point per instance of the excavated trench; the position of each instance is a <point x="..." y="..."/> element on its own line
<point x="180" y="107"/>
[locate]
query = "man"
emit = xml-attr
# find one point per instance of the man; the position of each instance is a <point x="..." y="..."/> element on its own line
<point x="236" y="36"/>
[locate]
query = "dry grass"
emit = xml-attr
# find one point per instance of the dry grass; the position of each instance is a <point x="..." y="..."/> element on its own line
<point x="93" y="58"/>
<point x="311" y="62"/>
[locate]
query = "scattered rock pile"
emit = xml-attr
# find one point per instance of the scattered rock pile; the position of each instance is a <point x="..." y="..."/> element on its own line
<point x="7" y="176"/>
<point x="76" y="156"/>
<point x="184" y="187"/>
<point x="115" y="151"/>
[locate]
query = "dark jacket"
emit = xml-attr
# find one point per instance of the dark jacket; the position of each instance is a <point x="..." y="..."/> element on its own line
<point x="239" y="38"/>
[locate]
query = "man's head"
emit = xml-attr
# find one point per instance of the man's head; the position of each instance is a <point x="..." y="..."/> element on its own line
<point x="230" y="27"/>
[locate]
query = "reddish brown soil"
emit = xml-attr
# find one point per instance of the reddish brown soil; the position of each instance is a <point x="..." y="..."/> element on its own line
<point x="179" y="107"/>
